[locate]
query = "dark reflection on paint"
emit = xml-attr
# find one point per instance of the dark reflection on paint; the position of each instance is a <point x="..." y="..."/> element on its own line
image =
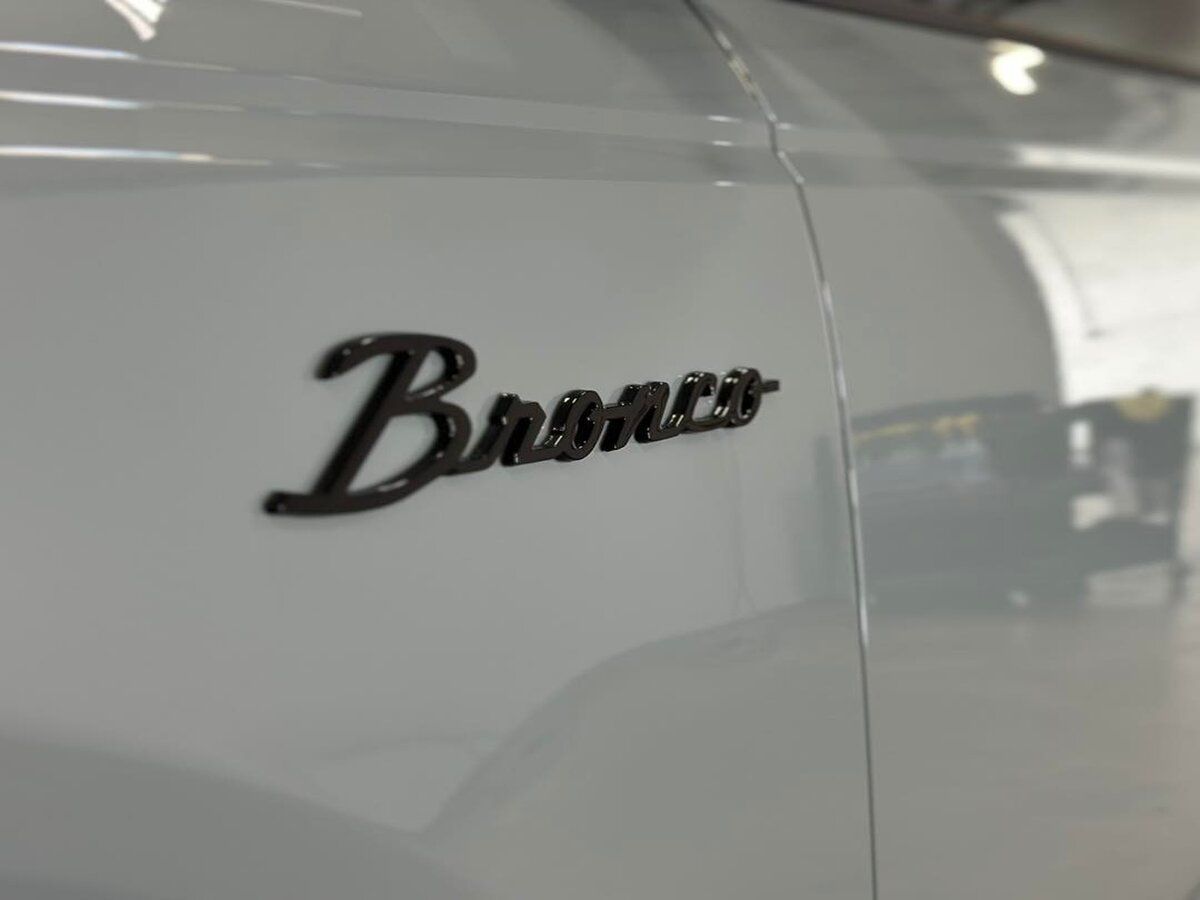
<point x="1151" y="33"/>
<point x="997" y="498"/>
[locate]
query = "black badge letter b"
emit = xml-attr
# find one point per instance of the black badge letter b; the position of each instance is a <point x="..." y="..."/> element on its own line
<point x="392" y="396"/>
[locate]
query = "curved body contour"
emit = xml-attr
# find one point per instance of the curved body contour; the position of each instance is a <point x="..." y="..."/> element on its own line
<point x="923" y="630"/>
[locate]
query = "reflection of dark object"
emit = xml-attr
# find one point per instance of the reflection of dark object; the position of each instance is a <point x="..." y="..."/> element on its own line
<point x="1119" y="543"/>
<point x="1148" y="36"/>
<point x="1140" y="448"/>
<point x="1155" y="424"/>
<point x="934" y="527"/>
<point x="985" y="8"/>
<point x="978" y="498"/>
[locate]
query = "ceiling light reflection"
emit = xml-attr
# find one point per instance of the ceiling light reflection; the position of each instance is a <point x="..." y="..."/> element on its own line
<point x="142" y="15"/>
<point x="1010" y="65"/>
<point x="68" y="100"/>
<point x="64" y="50"/>
<point x="1105" y="162"/>
<point x="128" y="154"/>
<point x="318" y="7"/>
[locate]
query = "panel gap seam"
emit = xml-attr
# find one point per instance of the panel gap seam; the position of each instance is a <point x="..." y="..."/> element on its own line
<point x="841" y="397"/>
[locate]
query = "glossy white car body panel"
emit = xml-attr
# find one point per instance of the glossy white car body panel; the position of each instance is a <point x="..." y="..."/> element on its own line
<point x="1011" y="272"/>
<point x="639" y="674"/>
<point x="635" y="675"/>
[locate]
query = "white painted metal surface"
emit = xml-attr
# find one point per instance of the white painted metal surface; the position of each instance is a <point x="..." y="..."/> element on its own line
<point x="1012" y="263"/>
<point x="637" y="675"/>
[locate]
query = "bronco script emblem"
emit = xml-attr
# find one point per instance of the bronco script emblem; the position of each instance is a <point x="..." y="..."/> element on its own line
<point x="580" y="422"/>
